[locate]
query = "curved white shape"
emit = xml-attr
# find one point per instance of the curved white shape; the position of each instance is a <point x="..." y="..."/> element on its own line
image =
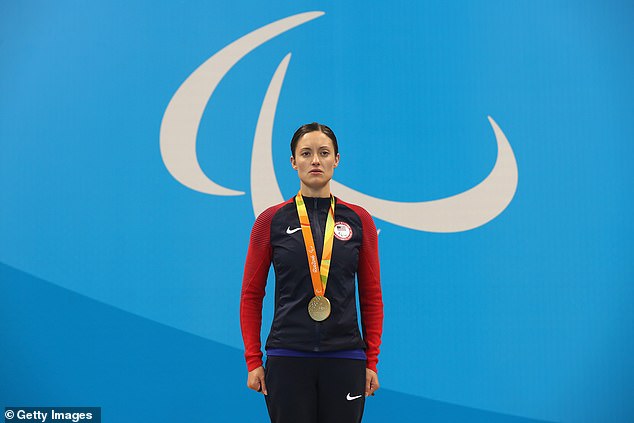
<point x="179" y="127"/>
<point x="265" y="191"/>
<point x="457" y="213"/>
<point x="461" y="212"/>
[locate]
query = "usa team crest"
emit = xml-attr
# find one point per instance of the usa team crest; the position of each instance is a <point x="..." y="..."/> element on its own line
<point x="343" y="231"/>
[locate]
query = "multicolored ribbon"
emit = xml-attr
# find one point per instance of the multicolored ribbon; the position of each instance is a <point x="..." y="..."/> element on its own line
<point x="318" y="271"/>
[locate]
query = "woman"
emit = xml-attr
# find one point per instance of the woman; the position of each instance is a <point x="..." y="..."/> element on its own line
<point x="319" y="368"/>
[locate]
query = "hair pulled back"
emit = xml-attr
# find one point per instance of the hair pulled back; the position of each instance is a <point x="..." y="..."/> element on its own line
<point x="312" y="127"/>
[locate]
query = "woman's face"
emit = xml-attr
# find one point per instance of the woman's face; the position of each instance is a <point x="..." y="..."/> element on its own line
<point x="315" y="161"/>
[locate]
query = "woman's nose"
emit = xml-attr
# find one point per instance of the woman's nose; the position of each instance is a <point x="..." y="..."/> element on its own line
<point x="315" y="159"/>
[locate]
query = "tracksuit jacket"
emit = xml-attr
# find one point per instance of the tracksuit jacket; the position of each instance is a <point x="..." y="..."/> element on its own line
<point x="276" y="239"/>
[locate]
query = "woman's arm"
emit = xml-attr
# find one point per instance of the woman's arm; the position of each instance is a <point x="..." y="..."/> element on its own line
<point x="370" y="297"/>
<point x="256" y="270"/>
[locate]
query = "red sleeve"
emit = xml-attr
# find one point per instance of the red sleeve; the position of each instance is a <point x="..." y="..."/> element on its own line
<point x="256" y="270"/>
<point x="370" y="297"/>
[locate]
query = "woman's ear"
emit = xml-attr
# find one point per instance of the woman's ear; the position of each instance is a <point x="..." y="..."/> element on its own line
<point x="336" y="160"/>
<point x="293" y="163"/>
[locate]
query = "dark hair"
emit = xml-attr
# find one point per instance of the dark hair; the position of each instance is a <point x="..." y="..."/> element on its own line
<point x="312" y="127"/>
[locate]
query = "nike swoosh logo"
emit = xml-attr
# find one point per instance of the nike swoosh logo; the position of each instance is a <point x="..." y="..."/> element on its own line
<point x="292" y="231"/>
<point x="349" y="398"/>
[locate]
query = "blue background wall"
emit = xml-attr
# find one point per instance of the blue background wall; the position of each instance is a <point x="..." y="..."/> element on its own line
<point x="120" y="286"/>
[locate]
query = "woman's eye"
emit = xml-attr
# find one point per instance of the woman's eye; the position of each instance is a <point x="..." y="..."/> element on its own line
<point x="305" y="153"/>
<point x="325" y="153"/>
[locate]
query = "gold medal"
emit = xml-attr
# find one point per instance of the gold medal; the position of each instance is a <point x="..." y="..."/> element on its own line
<point x="319" y="308"/>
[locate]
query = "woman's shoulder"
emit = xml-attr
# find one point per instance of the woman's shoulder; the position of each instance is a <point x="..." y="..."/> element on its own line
<point x="262" y="225"/>
<point x="364" y="216"/>
<point x="270" y="211"/>
<point x="363" y="213"/>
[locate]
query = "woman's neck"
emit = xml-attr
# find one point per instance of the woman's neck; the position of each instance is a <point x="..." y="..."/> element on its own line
<point x="322" y="192"/>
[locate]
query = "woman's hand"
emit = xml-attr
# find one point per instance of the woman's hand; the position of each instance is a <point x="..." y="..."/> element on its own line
<point x="255" y="380"/>
<point x="371" y="382"/>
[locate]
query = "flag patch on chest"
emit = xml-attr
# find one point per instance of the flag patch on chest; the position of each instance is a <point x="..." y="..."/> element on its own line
<point x="343" y="231"/>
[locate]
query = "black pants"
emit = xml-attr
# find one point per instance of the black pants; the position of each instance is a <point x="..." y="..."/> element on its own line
<point x="315" y="390"/>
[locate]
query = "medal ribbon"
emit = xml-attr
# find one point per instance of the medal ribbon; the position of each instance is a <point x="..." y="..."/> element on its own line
<point x="318" y="272"/>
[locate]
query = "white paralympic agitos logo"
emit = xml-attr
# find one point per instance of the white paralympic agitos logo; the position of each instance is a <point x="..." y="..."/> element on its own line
<point x="181" y="120"/>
